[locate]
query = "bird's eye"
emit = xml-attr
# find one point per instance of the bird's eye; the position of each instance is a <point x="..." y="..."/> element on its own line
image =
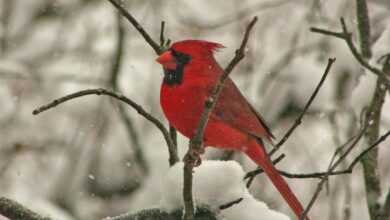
<point x="174" y="53"/>
<point x="181" y="58"/>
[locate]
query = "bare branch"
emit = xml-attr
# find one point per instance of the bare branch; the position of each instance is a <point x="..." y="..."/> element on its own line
<point x="171" y="148"/>
<point x="173" y="133"/>
<point x="158" y="48"/>
<point x="252" y="174"/>
<point x="346" y="171"/>
<point x="230" y="204"/>
<point x="325" y="177"/>
<point x="363" y="27"/>
<point x="137" y="26"/>
<point x="195" y="146"/>
<point x="298" y="121"/>
<point x="13" y="210"/>
<point x="386" y="206"/>
<point x="340" y="159"/>
<point x="164" y="43"/>
<point x="114" y="75"/>
<point x="162" y="37"/>
<point x="347" y="37"/>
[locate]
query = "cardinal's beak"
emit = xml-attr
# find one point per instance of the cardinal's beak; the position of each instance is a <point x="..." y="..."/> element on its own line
<point x="167" y="60"/>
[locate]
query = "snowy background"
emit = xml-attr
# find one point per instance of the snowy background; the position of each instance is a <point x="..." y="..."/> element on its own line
<point x="78" y="161"/>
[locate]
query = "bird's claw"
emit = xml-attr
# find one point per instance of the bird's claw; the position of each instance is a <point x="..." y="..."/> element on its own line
<point x="193" y="156"/>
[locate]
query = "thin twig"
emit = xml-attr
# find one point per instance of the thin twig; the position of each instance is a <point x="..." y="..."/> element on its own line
<point x="159" y="49"/>
<point x="347" y="37"/>
<point x="173" y="155"/>
<point x="339" y="160"/>
<point x="195" y="145"/>
<point x="164" y="43"/>
<point x="13" y="210"/>
<point x="128" y="122"/>
<point x="325" y="177"/>
<point x="252" y="174"/>
<point x="369" y="157"/>
<point x="230" y="204"/>
<point x="137" y="26"/>
<point x="173" y="134"/>
<point x="298" y="121"/>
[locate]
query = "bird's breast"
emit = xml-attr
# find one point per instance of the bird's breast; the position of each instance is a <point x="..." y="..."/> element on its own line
<point x="183" y="104"/>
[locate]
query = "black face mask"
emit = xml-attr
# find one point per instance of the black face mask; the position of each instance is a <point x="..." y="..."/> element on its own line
<point x="175" y="76"/>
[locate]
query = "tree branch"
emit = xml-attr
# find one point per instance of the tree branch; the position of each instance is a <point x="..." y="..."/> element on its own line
<point x="13" y="210"/>
<point x="363" y="27"/>
<point x="137" y="26"/>
<point x="369" y="156"/>
<point x="171" y="147"/>
<point x="333" y="166"/>
<point x="331" y="169"/>
<point x="115" y="71"/>
<point x="347" y="37"/>
<point x="370" y="159"/>
<point x="298" y="121"/>
<point x="230" y="204"/>
<point x="158" y="49"/>
<point x="195" y="146"/>
<point x="252" y="174"/>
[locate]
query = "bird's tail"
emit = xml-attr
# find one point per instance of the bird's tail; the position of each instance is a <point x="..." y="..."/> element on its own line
<point x="259" y="156"/>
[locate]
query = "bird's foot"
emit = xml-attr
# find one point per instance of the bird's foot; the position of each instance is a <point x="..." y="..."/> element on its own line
<point x="200" y="150"/>
<point x="193" y="156"/>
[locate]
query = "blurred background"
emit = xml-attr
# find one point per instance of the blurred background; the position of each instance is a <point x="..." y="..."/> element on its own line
<point x="90" y="157"/>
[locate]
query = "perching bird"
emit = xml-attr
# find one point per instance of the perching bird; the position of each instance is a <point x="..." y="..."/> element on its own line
<point x="190" y="74"/>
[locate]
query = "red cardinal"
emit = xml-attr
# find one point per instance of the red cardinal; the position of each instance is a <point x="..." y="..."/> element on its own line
<point x="190" y="74"/>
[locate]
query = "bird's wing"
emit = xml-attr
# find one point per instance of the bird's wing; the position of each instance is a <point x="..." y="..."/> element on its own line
<point x="232" y="108"/>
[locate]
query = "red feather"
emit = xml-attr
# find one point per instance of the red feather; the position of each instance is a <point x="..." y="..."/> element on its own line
<point x="233" y="124"/>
